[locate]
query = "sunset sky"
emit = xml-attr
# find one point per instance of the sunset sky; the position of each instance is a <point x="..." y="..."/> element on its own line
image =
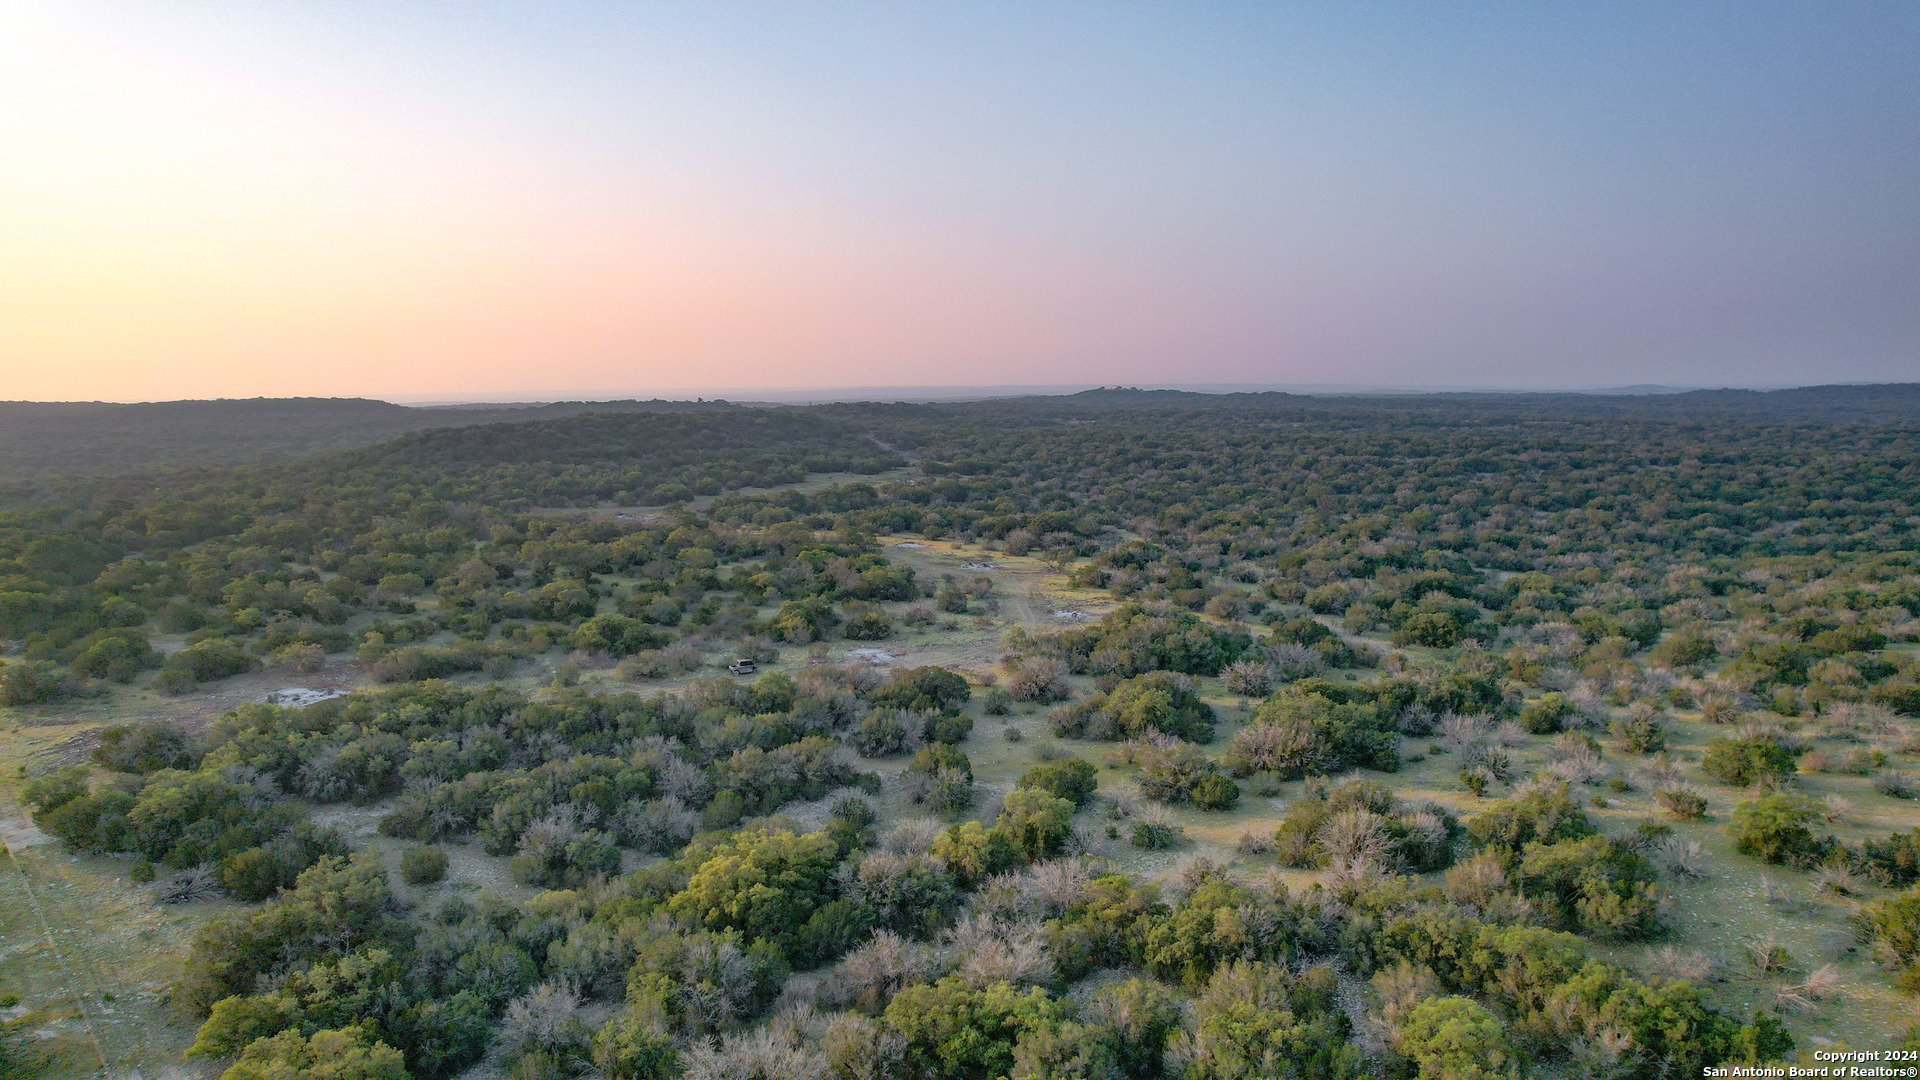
<point x="565" y="199"/>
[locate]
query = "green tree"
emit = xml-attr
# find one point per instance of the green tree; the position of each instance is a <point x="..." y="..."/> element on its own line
<point x="1257" y="1020"/>
<point x="1067" y="1051"/>
<point x="954" y="1031"/>
<point x="1140" y="1015"/>
<point x="635" y="1046"/>
<point x="928" y="689"/>
<point x="1160" y="701"/>
<point x="1456" y="1038"/>
<point x="1038" y="824"/>
<point x="1547" y="715"/>
<point x="766" y="884"/>
<point x="972" y="852"/>
<point x="334" y="907"/>
<point x="345" y="1054"/>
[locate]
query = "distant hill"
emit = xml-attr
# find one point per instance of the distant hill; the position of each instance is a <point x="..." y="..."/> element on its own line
<point x="1866" y="403"/>
<point x="46" y="439"/>
<point x="98" y="438"/>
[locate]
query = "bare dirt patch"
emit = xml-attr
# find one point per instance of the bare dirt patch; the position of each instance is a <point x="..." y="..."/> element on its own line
<point x="18" y="833"/>
<point x="300" y="697"/>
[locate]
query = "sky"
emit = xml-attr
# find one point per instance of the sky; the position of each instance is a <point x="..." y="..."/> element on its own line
<point x="487" y="199"/>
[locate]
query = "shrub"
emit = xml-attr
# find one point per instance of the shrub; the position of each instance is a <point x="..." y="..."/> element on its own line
<point x="1434" y="629"/>
<point x="1068" y="778"/>
<point x="1038" y="678"/>
<point x="1253" y="843"/>
<point x="145" y="748"/>
<point x="1360" y="821"/>
<point x="764" y="883"/>
<point x="1894" y="784"/>
<point x="423" y="865"/>
<point x="1155" y="702"/>
<point x="1902" y="695"/>
<point x="801" y="621"/>
<point x="1456" y="1038"/>
<point x="972" y="852"/>
<point x="867" y="623"/>
<point x="1540" y="816"/>
<point x="1681" y="802"/>
<point x="1038" y="824"/>
<point x="1156" y="832"/>
<point x="189" y="885"/>
<point x="1299" y="731"/>
<point x="1548" y="715"/>
<point x="1089" y="576"/>
<point x="1740" y="762"/>
<point x="953" y="1030"/>
<point x="1174" y="773"/>
<point x="37" y="682"/>
<point x="413" y="663"/>
<point x="1893" y="861"/>
<point x="1329" y="599"/>
<point x="645" y="664"/>
<point x="881" y="734"/>
<point x="1249" y="678"/>
<point x="616" y="635"/>
<point x="343" y="1054"/>
<point x="555" y="853"/>
<point x="546" y="1021"/>
<point x="1894" y="927"/>
<point x="1258" y="1019"/>
<point x="948" y="727"/>
<point x="1595" y="885"/>
<point x="1773" y="828"/>
<point x="1131" y="641"/>
<point x="635" y="1046"/>
<point x="1684" y="647"/>
<point x="335" y="907"/>
<point x="117" y="654"/>
<point x="258" y="873"/>
<point x="942" y="777"/>
<point x="925" y="689"/>
<point x="208" y="661"/>
<point x="1214" y="792"/>
<point x="302" y="657"/>
<point x="1162" y="702"/>
<point x="1640" y="731"/>
<point x="56" y="789"/>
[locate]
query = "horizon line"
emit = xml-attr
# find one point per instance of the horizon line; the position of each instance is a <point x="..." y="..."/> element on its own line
<point x="906" y="394"/>
<point x="803" y="395"/>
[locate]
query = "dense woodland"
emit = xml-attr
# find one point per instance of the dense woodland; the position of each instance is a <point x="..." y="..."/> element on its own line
<point x="1483" y="578"/>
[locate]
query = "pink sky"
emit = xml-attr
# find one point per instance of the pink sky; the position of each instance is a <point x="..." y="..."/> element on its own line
<point x="270" y="200"/>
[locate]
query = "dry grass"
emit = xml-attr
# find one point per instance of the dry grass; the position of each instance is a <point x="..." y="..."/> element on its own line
<point x="93" y="954"/>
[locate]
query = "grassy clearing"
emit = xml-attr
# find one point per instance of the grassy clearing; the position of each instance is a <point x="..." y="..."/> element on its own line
<point x="92" y="957"/>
